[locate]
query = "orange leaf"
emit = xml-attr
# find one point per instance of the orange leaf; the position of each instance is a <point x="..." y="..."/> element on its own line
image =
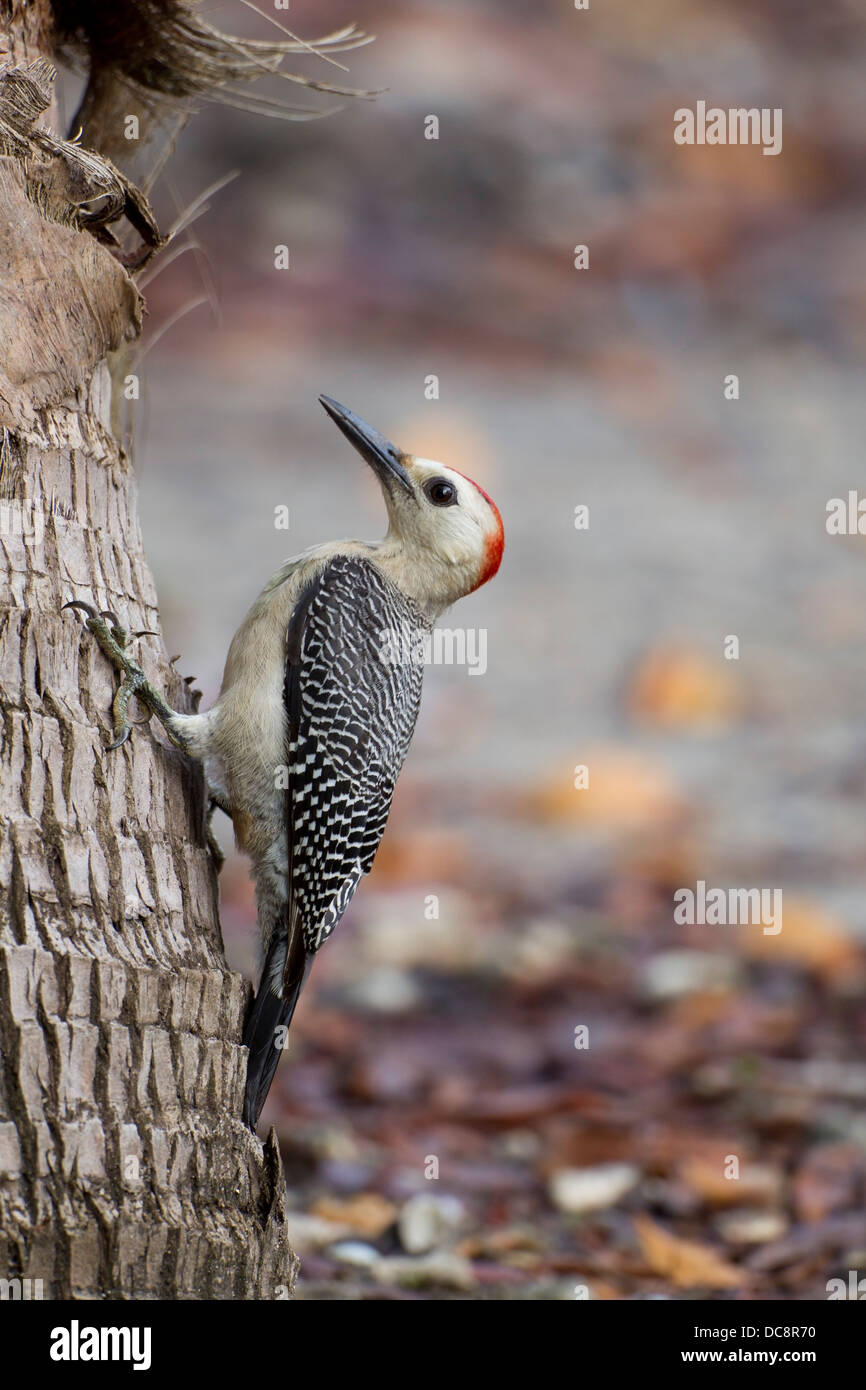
<point x="682" y="689"/>
<point x="687" y="1264"/>
<point x="368" y="1214"/>
<point x="626" y="791"/>
<point x="810" y="936"/>
<point x="757" y="1184"/>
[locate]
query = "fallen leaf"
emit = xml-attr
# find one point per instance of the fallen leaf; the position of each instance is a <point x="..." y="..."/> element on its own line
<point x="687" y="1264"/>
<point x="758" y="1184"/>
<point x="827" y="1181"/>
<point x="404" y="859"/>
<point x="577" y="1190"/>
<point x="682" y="689"/>
<point x="625" y="791"/>
<point x="367" y="1214"/>
<point x="752" y="1227"/>
<point x="810" y="936"/>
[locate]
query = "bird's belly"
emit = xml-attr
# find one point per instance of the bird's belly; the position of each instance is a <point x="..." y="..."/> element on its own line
<point x="252" y="741"/>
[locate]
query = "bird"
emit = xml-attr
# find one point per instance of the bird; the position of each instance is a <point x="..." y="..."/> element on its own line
<point x="304" y="744"/>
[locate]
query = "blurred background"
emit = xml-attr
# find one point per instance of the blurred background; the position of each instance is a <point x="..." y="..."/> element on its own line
<point x="446" y="1131"/>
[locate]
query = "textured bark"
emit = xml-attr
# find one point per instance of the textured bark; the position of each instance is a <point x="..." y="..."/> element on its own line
<point x="125" y="1170"/>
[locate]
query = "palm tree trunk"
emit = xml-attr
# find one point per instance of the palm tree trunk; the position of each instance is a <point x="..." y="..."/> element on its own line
<point x="125" y="1170"/>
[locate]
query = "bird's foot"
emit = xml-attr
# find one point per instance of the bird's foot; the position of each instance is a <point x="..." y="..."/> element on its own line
<point x="217" y="799"/>
<point x="114" y="640"/>
<point x="213" y="843"/>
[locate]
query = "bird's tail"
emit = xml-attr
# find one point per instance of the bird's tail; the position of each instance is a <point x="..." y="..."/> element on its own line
<point x="266" y="1032"/>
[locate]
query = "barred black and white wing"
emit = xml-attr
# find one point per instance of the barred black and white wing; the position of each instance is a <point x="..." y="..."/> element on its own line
<point x="353" y="689"/>
<point x="354" y="664"/>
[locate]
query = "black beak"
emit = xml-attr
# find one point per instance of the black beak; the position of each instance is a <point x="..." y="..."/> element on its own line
<point x="384" y="458"/>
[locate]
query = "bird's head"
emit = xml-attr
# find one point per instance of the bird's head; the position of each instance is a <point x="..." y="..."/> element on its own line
<point x="448" y="531"/>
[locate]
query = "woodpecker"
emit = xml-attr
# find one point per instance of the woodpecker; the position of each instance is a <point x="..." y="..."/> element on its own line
<point x="306" y="740"/>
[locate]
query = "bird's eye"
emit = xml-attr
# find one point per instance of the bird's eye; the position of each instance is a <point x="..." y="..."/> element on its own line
<point x="440" y="492"/>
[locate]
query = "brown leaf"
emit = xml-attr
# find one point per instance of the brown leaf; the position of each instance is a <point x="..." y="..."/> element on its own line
<point x="827" y="1181"/>
<point x="626" y="791"/>
<point x="368" y="1214"/>
<point x="810" y="936"/>
<point x="684" y="689"/>
<point x="405" y="859"/>
<point x="757" y="1184"/>
<point x="687" y="1264"/>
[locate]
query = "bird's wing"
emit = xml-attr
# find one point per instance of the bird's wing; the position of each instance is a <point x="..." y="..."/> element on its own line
<point x="352" y="692"/>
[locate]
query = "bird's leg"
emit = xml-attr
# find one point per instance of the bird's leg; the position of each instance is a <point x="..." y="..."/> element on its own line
<point x="213" y="843"/>
<point x="113" y="638"/>
<point x="217" y="799"/>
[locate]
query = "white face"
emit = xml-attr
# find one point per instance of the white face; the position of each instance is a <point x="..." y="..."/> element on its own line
<point x="448" y="532"/>
<point x="446" y="515"/>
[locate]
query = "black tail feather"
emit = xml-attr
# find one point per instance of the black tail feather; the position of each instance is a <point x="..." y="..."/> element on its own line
<point x="267" y="1026"/>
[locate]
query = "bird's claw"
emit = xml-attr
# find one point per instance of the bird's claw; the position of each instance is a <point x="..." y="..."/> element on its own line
<point x="96" y="621"/>
<point x="113" y="638"/>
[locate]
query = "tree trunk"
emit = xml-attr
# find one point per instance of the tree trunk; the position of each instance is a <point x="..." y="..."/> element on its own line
<point x="125" y="1170"/>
